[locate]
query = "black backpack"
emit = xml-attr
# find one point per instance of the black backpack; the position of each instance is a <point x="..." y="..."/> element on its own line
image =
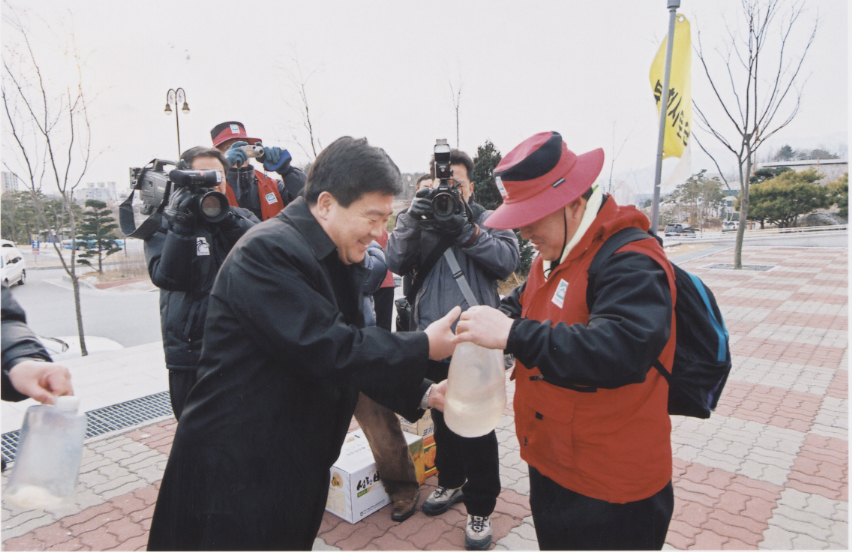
<point x="702" y="359"/>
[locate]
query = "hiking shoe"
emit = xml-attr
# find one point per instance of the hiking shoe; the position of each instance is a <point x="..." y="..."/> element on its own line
<point x="477" y="532"/>
<point x="441" y="500"/>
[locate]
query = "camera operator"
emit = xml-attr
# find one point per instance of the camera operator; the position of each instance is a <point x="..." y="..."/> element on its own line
<point x="468" y="469"/>
<point x="255" y="191"/>
<point x="183" y="258"/>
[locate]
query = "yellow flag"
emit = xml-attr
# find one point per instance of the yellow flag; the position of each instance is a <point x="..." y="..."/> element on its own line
<point x="679" y="109"/>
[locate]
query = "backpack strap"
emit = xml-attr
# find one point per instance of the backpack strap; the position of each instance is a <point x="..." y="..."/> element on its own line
<point x="721" y="331"/>
<point x="607" y="250"/>
<point x="610" y="246"/>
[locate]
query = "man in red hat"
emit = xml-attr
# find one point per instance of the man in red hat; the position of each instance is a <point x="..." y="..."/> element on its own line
<point x="253" y="190"/>
<point x="590" y="417"/>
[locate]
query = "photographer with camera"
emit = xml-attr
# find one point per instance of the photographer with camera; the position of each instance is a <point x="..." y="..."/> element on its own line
<point x="255" y="191"/>
<point x="195" y="235"/>
<point x="444" y="217"/>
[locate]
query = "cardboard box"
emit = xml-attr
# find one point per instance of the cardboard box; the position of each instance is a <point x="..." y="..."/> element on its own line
<point x="425" y="428"/>
<point x="422" y="427"/>
<point x="356" y="490"/>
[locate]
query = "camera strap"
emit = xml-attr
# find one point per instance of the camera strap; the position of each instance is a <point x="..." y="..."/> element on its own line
<point x="458" y="275"/>
<point x="127" y="220"/>
<point x="420" y="276"/>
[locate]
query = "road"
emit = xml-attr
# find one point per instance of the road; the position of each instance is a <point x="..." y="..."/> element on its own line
<point x="129" y="317"/>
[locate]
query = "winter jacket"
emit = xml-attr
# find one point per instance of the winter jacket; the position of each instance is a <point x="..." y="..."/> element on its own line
<point x="19" y="343"/>
<point x="492" y="256"/>
<point x="588" y="413"/>
<point x="285" y="357"/>
<point x="184" y="267"/>
<point x="262" y="195"/>
<point x="374" y="261"/>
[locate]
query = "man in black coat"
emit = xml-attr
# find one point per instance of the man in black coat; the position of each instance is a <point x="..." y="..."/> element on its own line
<point x="183" y="257"/>
<point x="27" y="369"/>
<point x="285" y="356"/>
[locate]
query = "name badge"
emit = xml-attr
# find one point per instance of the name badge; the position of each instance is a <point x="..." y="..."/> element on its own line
<point x="559" y="296"/>
<point x="202" y="248"/>
<point x="270" y="199"/>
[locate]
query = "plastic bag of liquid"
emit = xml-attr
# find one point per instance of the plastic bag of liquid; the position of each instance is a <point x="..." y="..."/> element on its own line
<point x="50" y="449"/>
<point x="476" y="390"/>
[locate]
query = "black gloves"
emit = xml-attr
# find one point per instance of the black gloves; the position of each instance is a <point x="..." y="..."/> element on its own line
<point x="421" y="205"/>
<point x="178" y="212"/>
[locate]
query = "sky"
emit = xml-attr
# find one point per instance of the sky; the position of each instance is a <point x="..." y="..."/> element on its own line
<point x="386" y="70"/>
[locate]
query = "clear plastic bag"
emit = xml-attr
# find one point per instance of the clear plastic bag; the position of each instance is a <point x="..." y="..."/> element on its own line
<point x="476" y="390"/>
<point x="47" y="463"/>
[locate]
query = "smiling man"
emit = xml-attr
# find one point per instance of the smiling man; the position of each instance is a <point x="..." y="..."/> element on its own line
<point x="285" y="356"/>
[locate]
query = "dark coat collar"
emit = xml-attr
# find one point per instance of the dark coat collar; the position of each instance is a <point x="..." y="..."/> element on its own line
<point x="299" y="214"/>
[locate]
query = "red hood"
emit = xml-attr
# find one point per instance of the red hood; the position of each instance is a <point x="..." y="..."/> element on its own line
<point x="611" y="218"/>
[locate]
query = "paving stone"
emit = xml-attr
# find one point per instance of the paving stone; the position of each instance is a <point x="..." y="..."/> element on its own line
<point x="25" y="527"/>
<point x="99" y="540"/>
<point x="320" y="544"/>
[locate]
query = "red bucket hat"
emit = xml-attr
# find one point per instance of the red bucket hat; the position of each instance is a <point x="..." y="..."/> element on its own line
<point x="228" y="131"/>
<point x="539" y="177"/>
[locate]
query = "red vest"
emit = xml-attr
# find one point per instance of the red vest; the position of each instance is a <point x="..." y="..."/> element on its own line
<point x="613" y="444"/>
<point x="270" y="199"/>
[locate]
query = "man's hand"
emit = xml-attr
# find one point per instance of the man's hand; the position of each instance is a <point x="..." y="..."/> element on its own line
<point x="453" y="226"/>
<point x="236" y="155"/>
<point x="178" y="213"/>
<point x="441" y="344"/>
<point x="276" y="159"/>
<point x="43" y="381"/>
<point x="484" y="326"/>
<point x="438" y="396"/>
<point x="421" y="205"/>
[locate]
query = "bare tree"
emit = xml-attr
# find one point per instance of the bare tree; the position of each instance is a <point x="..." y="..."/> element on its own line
<point x="756" y="99"/>
<point x="455" y="95"/>
<point x="299" y="83"/>
<point x="47" y="133"/>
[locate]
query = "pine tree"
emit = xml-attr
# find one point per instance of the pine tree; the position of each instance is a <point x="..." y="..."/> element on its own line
<point x="487" y="195"/>
<point x="97" y="232"/>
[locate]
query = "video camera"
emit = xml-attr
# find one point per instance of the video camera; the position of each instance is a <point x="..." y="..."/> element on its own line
<point x="446" y="198"/>
<point x="152" y="182"/>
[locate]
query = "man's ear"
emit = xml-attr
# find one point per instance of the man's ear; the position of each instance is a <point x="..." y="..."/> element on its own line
<point x="325" y="202"/>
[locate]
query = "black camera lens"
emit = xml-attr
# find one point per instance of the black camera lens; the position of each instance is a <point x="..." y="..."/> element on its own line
<point x="213" y="206"/>
<point x="443" y="205"/>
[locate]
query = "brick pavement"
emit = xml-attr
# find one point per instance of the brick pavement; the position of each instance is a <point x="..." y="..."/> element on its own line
<point x="768" y="470"/>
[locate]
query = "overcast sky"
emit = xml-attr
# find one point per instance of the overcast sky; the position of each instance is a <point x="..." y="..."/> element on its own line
<point x="384" y="70"/>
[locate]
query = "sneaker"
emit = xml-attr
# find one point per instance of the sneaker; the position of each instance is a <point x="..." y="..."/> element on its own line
<point x="441" y="500"/>
<point x="477" y="533"/>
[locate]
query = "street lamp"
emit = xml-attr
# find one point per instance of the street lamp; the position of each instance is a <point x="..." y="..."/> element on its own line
<point x="176" y="97"/>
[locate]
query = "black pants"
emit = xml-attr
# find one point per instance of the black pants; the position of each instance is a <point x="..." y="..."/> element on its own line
<point x="470" y="463"/>
<point x="383" y="300"/>
<point x="180" y="382"/>
<point x="565" y="520"/>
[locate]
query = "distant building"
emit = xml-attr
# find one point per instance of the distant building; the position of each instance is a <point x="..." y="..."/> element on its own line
<point x="831" y="168"/>
<point x="10" y="182"/>
<point x="100" y="191"/>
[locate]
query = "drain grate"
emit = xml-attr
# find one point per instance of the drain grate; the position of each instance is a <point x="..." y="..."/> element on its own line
<point x="730" y="266"/>
<point x="109" y="418"/>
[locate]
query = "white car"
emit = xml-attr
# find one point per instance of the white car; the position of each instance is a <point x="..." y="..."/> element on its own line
<point x="13" y="266"/>
<point x="65" y="347"/>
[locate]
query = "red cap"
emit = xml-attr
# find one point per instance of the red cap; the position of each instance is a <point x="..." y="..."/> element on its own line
<point x="230" y="130"/>
<point x="539" y="177"/>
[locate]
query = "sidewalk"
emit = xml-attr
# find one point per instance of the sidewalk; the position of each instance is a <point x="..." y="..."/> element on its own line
<point x="769" y="469"/>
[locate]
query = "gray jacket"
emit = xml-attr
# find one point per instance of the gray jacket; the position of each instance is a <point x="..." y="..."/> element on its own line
<point x="491" y="257"/>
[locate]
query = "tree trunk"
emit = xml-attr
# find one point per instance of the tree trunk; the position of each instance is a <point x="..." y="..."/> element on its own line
<point x="75" y="285"/>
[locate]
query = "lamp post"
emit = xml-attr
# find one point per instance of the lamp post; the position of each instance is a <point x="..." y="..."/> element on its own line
<point x="176" y="97"/>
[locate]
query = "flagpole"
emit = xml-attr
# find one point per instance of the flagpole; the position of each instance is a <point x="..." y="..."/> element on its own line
<point x="673" y="5"/>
